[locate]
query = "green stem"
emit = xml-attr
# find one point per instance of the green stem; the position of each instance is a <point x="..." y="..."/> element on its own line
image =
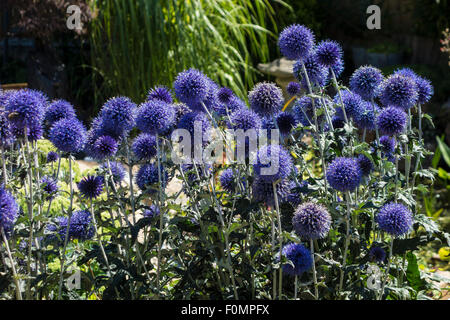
<point x="16" y="280"/>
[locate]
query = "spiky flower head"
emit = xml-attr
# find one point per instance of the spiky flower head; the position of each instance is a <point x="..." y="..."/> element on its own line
<point x="395" y="219"/>
<point x="194" y="173"/>
<point x="155" y="117"/>
<point x="262" y="191"/>
<point x="147" y="178"/>
<point x="365" y="82"/>
<point x="296" y="42"/>
<point x="228" y="180"/>
<point x="105" y="147"/>
<point x="391" y="121"/>
<point x="293" y="88"/>
<point x="265" y="98"/>
<point x="25" y="108"/>
<point x="9" y="210"/>
<point x="161" y="93"/>
<point x="68" y="135"/>
<point x="425" y="90"/>
<point x="152" y="212"/>
<point x="118" y="116"/>
<point x="199" y="120"/>
<point x="377" y="254"/>
<point x="311" y="221"/>
<point x="365" y="118"/>
<point x="191" y="87"/>
<point x="286" y="122"/>
<point x="273" y="163"/>
<point x="387" y="144"/>
<point x="244" y="119"/>
<point x="297" y="190"/>
<point x="303" y="110"/>
<point x="6" y="134"/>
<point x="329" y="53"/>
<point x="81" y="226"/>
<point x="50" y="187"/>
<point x="57" y="110"/>
<point x="299" y="256"/>
<point x="398" y="91"/>
<point x="317" y="74"/>
<point x="224" y="95"/>
<point x="117" y="170"/>
<point x="344" y="174"/>
<point x="353" y="104"/>
<point x="52" y="156"/>
<point x="91" y="187"/>
<point x="144" y="146"/>
<point x="365" y="164"/>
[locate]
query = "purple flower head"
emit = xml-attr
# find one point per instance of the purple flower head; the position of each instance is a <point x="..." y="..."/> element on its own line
<point x="296" y="42"/>
<point x="328" y="53"/>
<point x="224" y="95"/>
<point x="117" y="116"/>
<point x="81" y="226"/>
<point x="344" y="174"/>
<point x="338" y="122"/>
<point x="300" y="257"/>
<point x="293" y="88"/>
<point x="155" y="117"/>
<point x="104" y="147"/>
<point x="147" y="178"/>
<point x="273" y="163"/>
<point x="50" y="187"/>
<point x="191" y="87"/>
<point x="365" y="164"/>
<point x="338" y="68"/>
<point x="317" y="74"/>
<point x="365" y="118"/>
<point x="365" y="82"/>
<point x="377" y="254"/>
<point x="161" y="93"/>
<point x="303" y="110"/>
<point x="387" y="144"/>
<point x="311" y="221"/>
<point x="425" y="90"/>
<point x="286" y="121"/>
<point x="228" y="180"/>
<point x="6" y="134"/>
<point x="395" y="219"/>
<point x="244" y="119"/>
<point x="353" y="104"/>
<point x="193" y="173"/>
<point x="91" y="186"/>
<point x="144" y="146"/>
<point x="52" y="156"/>
<point x="25" y="108"/>
<point x="57" y="110"/>
<point x="295" y="195"/>
<point x="262" y="191"/>
<point x="68" y="135"/>
<point x="391" y="121"/>
<point x="180" y="110"/>
<point x="152" y="212"/>
<point x="265" y="98"/>
<point x="117" y="170"/>
<point x="198" y="120"/>
<point x="398" y="91"/>
<point x="9" y="210"/>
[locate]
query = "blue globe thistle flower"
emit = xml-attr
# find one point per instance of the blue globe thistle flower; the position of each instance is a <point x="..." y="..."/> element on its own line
<point x="105" y="147"/>
<point x="296" y="42"/>
<point x="91" y="187"/>
<point x="262" y="191"/>
<point x="391" y="121"/>
<point x="303" y="110"/>
<point x="293" y="88"/>
<point x="365" y="82"/>
<point x="311" y="221"/>
<point x="377" y="254"/>
<point x="68" y="135"/>
<point x="57" y="230"/>
<point x="25" y="108"/>
<point x="9" y="210"/>
<point x="147" y="178"/>
<point x="344" y="174"/>
<point x="180" y="110"/>
<point x="338" y="68"/>
<point x="210" y="102"/>
<point x="273" y="163"/>
<point x="50" y="187"/>
<point x="286" y="122"/>
<point x="57" y="110"/>
<point x="353" y="104"/>
<point x="117" y="116"/>
<point x="338" y="122"/>
<point x="365" y="164"/>
<point x="425" y="90"/>
<point x="117" y="170"/>
<point x="233" y="104"/>
<point x="144" y="146"/>
<point x="328" y="53"/>
<point x="244" y="119"/>
<point x="300" y="256"/>
<point x="161" y="93"/>
<point x="6" y="135"/>
<point x="52" y="156"/>
<point x="365" y="118"/>
<point x="387" y="144"/>
<point x="191" y="86"/>
<point x="224" y="95"/>
<point x="155" y="117"/>
<point x="265" y="98"/>
<point x="81" y="226"/>
<point x="398" y="91"/>
<point x="297" y="190"/>
<point x="34" y="132"/>
<point x="189" y="120"/>
<point x="395" y="219"/>
<point x="152" y="212"/>
<point x="228" y="180"/>
<point x="317" y="74"/>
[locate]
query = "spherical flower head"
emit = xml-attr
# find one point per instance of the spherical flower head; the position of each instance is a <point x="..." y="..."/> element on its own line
<point x="50" y="187"/>
<point x="81" y="226"/>
<point x="91" y="186"/>
<point x="338" y="68"/>
<point x="191" y="86"/>
<point x="105" y="147"/>
<point x="152" y="212"/>
<point x="317" y="74"/>
<point x="180" y="110"/>
<point x="57" y="230"/>
<point x="328" y="53"/>
<point x="265" y="99"/>
<point x="425" y="90"/>
<point x="144" y="146"/>
<point x="303" y="110"/>
<point x="147" y="178"/>
<point x="57" y="110"/>
<point x="297" y="189"/>
<point x="344" y="174"/>
<point x="365" y="164"/>
<point x="199" y="120"/>
<point x="262" y="191"/>
<point x="155" y="117"/>
<point x="118" y="115"/>
<point x="273" y="163"/>
<point x="68" y="135"/>
<point x="6" y="134"/>
<point x="365" y="118"/>
<point x="300" y="257"/>
<point x="377" y="254"/>
<point x="387" y="144"/>
<point x="34" y="132"/>
<point x="398" y="91"/>
<point x="224" y="95"/>
<point x="52" y="156"/>
<point x="228" y="180"/>
<point x="391" y="121"/>
<point x="293" y="88"/>
<point x="296" y="42"/>
<point x="311" y="221"/>
<point x="395" y="219"/>
<point x="117" y="170"/>
<point x="365" y="82"/>
<point x="161" y="93"/>
<point x="9" y="210"/>
<point x="285" y="122"/>
<point x="244" y="119"/>
<point x="25" y="108"/>
<point x="353" y="104"/>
